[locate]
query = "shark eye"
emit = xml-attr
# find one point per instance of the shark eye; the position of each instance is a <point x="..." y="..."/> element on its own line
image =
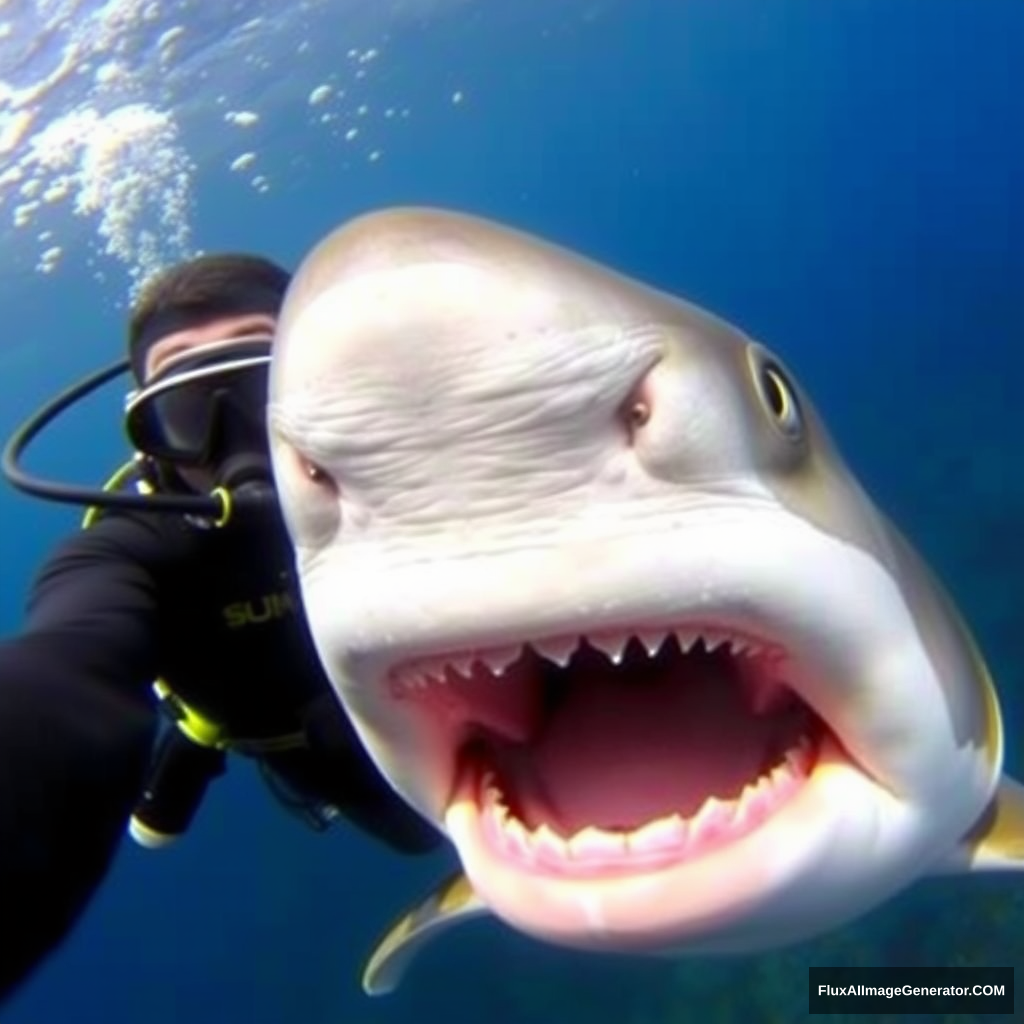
<point x="635" y="411"/>
<point x="779" y="399"/>
<point x="315" y="499"/>
<point x="310" y="494"/>
<point x="316" y="474"/>
<point x="638" y="413"/>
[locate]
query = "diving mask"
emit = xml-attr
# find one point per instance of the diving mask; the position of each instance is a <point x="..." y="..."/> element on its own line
<point x="204" y="406"/>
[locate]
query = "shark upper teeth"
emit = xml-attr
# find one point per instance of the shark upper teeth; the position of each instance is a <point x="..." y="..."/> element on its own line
<point x="716" y="640"/>
<point x="651" y="642"/>
<point x="408" y="675"/>
<point x="744" y="647"/>
<point x="464" y="666"/>
<point x="765" y="695"/>
<point x="687" y="638"/>
<point x="435" y="671"/>
<point x="613" y="646"/>
<point x="560" y="651"/>
<point x="499" y="659"/>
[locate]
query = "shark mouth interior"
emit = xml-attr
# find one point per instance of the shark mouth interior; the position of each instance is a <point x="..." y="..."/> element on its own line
<point x="619" y="751"/>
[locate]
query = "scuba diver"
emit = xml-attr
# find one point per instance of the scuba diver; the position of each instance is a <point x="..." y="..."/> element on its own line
<point x="168" y="633"/>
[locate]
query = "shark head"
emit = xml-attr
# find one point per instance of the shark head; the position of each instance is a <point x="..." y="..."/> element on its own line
<point x="605" y="603"/>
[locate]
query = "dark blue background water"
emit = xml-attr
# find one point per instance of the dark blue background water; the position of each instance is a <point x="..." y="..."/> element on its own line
<point x="844" y="180"/>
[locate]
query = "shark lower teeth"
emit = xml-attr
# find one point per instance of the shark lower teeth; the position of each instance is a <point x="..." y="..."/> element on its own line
<point x="560" y="650"/>
<point x="668" y="839"/>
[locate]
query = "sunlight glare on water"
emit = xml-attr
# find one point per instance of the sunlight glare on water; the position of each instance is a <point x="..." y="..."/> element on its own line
<point x="105" y="112"/>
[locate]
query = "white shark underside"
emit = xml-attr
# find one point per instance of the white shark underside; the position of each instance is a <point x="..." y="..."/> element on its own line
<point x="606" y="605"/>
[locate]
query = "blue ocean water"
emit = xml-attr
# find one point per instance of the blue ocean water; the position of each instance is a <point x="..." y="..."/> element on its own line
<point x="843" y="179"/>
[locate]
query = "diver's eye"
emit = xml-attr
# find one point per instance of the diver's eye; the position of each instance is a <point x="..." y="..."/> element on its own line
<point x="779" y="400"/>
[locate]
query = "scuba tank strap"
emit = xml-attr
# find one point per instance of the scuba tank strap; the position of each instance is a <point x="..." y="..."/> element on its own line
<point x="191" y="754"/>
<point x="204" y="732"/>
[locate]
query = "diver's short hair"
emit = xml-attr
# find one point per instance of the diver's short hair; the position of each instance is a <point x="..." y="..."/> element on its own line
<point x="201" y="289"/>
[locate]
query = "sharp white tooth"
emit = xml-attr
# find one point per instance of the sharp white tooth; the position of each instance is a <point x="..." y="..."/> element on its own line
<point x="714" y="641"/>
<point x="801" y="757"/>
<point x="432" y="671"/>
<point x="714" y="816"/>
<point x="498" y="660"/>
<point x="490" y="789"/>
<point x="651" y="642"/>
<point x="613" y="646"/>
<point x="746" y="648"/>
<point x="595" y="843"/>
<point x="559" y="650"/>
<point x="749" y="791"/>
<point x="414" y="677"/>
<point x="462" y="665"/>
<point x="687" y="638"/>
<point x="515" y="837"/>
<point x="657" y="835"/>
<point x="548" y="844"/>
<point x="754" y="802"/>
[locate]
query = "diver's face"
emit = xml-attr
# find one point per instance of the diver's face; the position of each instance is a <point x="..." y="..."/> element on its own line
<point x="223" y="328"/>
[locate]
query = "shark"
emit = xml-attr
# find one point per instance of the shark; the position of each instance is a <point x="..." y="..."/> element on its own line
<point x="607" y="606"/>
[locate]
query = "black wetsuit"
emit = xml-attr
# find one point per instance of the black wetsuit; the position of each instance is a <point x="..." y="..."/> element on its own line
<point x="138" y="596"/>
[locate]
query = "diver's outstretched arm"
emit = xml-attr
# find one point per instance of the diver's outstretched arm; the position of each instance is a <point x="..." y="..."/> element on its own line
<point x="77" y="723"/>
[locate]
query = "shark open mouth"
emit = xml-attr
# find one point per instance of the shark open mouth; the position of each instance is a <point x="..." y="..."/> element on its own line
<point x="619" y="752"/>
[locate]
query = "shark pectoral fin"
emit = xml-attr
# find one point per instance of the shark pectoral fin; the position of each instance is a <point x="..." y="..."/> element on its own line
<point x="452" y="902"/>
<point x="996" y="842"/>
